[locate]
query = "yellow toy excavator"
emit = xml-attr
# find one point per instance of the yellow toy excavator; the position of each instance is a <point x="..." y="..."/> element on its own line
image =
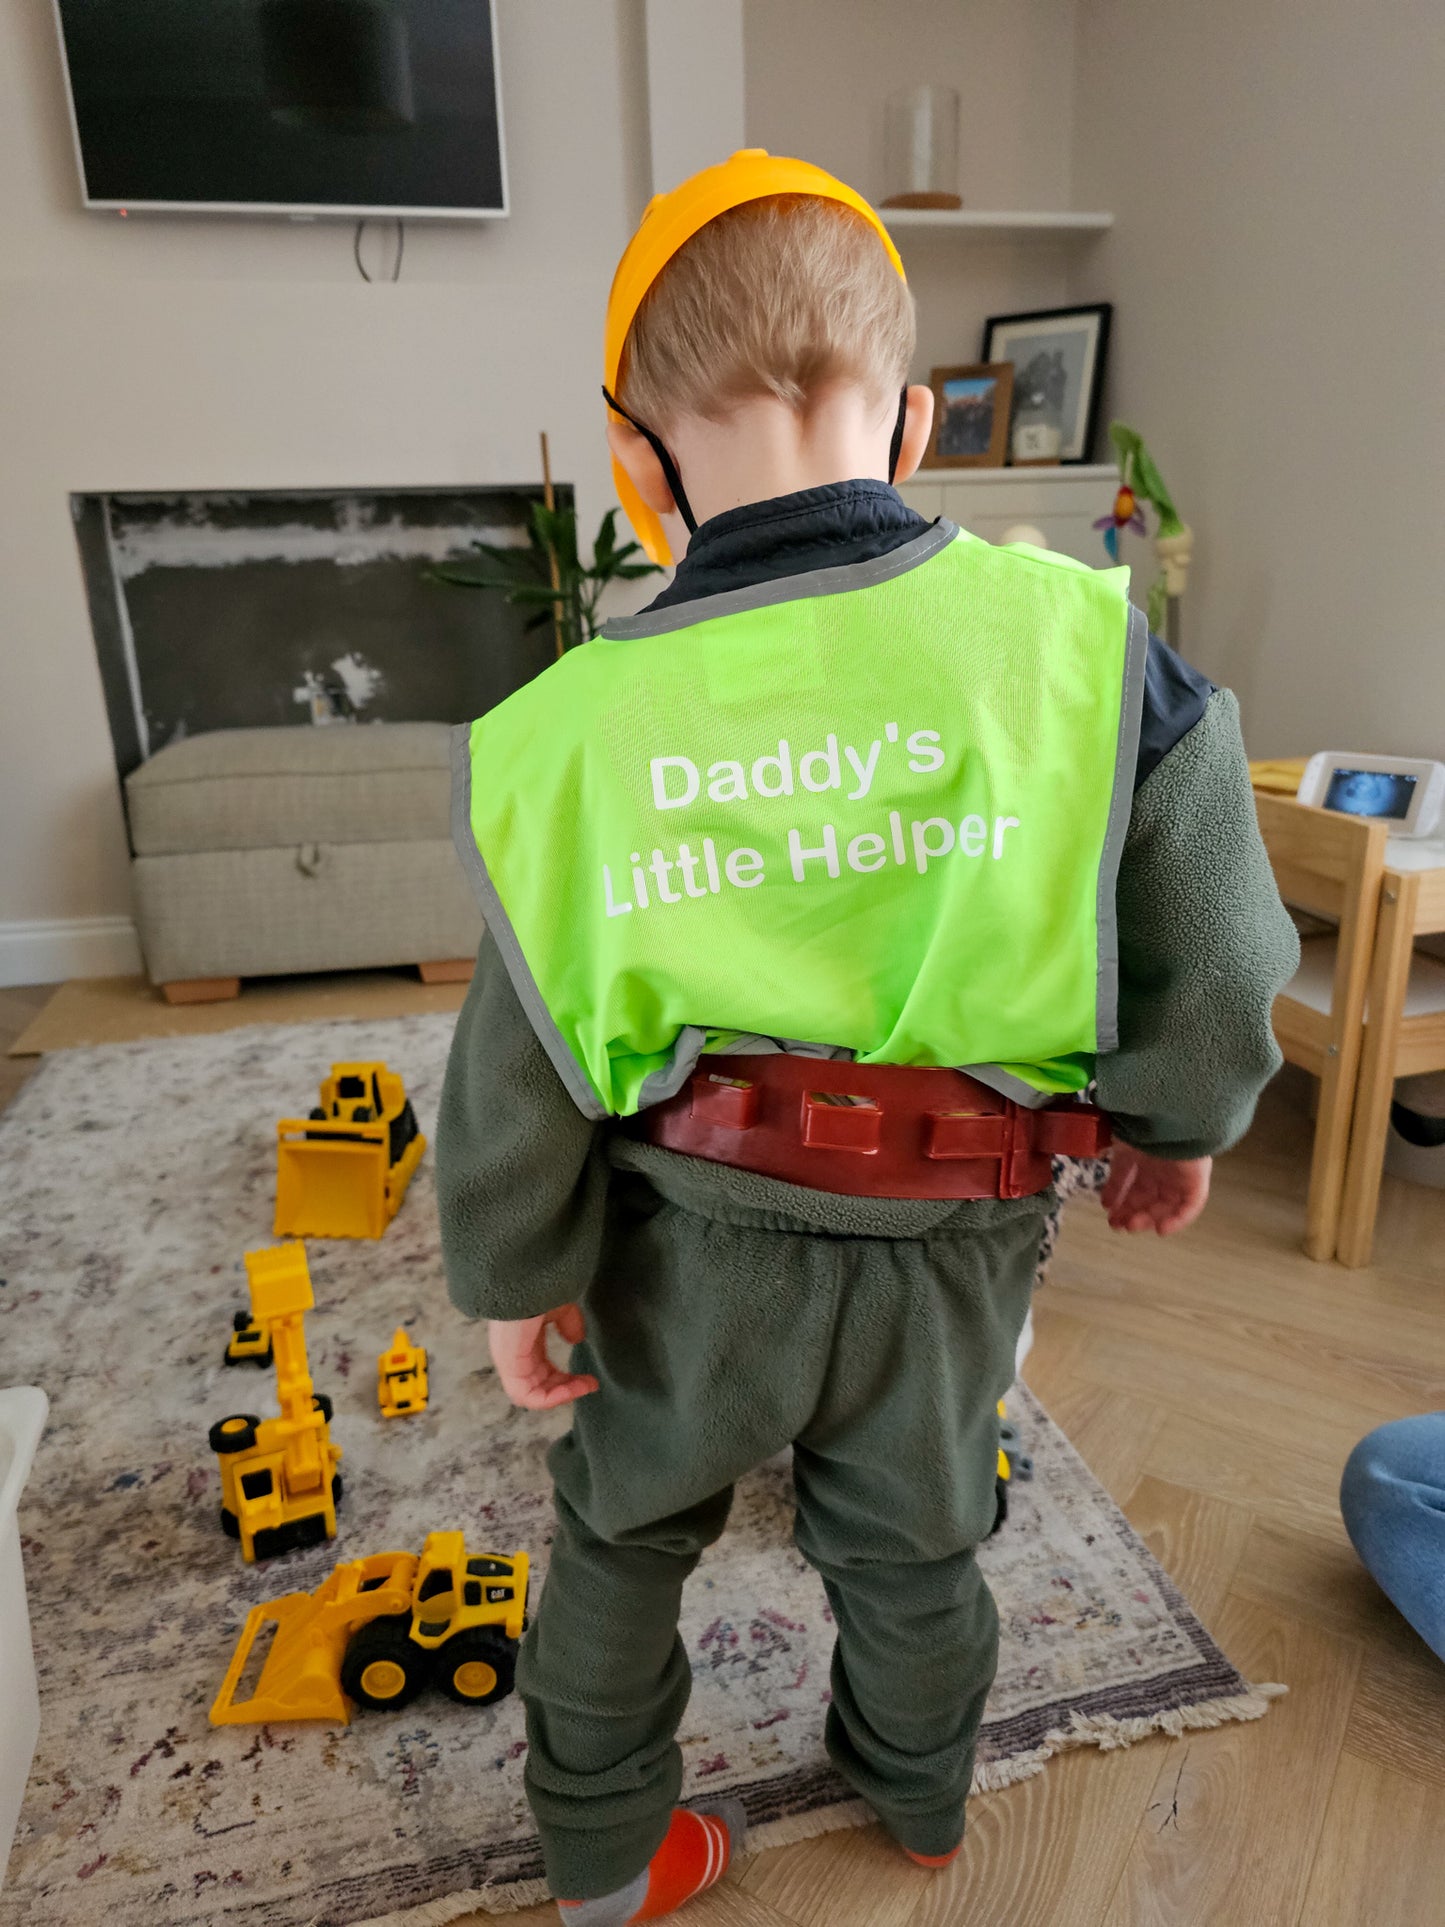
<point x="279" y="1483"/>
<point x="379" y="1630"/>
<point x="343" y="1171"/>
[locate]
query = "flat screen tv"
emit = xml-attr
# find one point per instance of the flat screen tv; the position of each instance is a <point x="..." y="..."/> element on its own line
<point x="298" y="107"/>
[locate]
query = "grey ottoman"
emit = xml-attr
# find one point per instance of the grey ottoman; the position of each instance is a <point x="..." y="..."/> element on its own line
<point x="259" y="852"/>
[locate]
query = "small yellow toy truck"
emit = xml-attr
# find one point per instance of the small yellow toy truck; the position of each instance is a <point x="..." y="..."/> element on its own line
<point x="401" y="1377"/>
<point x="1011" y="1464"/>
<point x="249" y="1343"/>
<point x="343" y="1171"/>
<point x="279" y="1482"/>
<point x="379" y="1630"/>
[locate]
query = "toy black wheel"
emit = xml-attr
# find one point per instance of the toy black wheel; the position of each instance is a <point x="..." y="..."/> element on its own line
<point x="1000" y="1502"/>
<point x="322" y="1402"/>
<point x="316" y="1111"/>
<point x="363" y="1114"/>
<point x="234" y="1434"/>
<point x="476" y="1668"/>
<point x="381" y="1667"/>
<point x="230" y="1524"/>
<point x="403" y="1130"/>
<point x="336" y="1488"/>
<point x="272" y="1541"/>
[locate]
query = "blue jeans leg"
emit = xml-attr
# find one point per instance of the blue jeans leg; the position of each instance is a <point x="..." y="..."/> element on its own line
<point x="1393" y="1500"/>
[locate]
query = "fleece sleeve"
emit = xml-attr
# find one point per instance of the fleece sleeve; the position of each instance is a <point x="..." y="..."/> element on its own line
<point x="521" y="1180"/>
<point x="1204" y="946"/>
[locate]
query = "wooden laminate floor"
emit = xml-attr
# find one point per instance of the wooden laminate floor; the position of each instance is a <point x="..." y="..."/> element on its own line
<point x="1215" y="1382"/>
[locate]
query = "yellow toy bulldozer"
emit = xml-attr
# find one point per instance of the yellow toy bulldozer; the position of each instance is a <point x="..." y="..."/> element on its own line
<point x="279" y="1483"/>
<point x="402" y="1385"/>
<point x="343" y="1171"/>
<point x="379" y="1630"/>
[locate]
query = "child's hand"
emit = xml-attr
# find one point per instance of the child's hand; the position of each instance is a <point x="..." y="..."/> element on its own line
<point x="519" y="1352"/>
<point x="1154" y="1194"/>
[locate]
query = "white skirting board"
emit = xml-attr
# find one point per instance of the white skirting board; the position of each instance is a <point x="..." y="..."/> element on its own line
<point x="49" y="950"/>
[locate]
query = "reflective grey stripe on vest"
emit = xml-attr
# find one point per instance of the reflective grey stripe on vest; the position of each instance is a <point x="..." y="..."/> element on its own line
<point x="578" y="1084"/>
<point x="1121" y="805"/>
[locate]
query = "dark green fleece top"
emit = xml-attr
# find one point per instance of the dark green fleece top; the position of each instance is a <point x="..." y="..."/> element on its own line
<point x="1204" y="946"/>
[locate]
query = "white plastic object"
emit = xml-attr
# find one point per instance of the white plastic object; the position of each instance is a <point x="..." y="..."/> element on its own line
<point x="22" y="1420"/>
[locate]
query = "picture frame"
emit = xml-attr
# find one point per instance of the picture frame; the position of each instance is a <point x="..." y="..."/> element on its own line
<point x="971" y="414"/>
<point x="1058" y="357"/>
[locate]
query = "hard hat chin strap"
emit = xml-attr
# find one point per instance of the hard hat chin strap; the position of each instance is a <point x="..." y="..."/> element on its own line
<point x="668" y="466"/>
<point x="895" y="447"/>
<point x="674" y="480"/>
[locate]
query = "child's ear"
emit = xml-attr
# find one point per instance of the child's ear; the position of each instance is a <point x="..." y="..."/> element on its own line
<point x="917" y="426"/>
<point x="634" y="451"/>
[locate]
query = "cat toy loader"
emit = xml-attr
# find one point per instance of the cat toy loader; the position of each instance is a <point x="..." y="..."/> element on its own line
<point x="343" y="1171"/>
<point x="279" y="1483"/>
<point x="379" y="1630"/>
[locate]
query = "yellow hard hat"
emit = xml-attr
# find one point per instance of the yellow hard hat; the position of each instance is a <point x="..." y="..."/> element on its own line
<point x="669" y="222"/>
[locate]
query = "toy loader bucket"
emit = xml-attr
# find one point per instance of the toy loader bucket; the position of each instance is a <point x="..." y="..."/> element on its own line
<point x="300" y="1679"/>
<point x="331" y="1183"/>
<point x="301" y="1676"/>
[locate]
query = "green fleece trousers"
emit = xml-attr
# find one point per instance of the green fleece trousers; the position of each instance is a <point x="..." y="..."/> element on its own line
<point x="722" y="1335"/>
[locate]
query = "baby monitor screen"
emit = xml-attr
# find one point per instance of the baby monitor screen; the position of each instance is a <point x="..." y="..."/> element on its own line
<point x="1371" y="792"/>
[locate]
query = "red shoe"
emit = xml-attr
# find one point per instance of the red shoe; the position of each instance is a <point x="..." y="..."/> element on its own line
<point x="694" y="1856"/>
<point x="934" y="1859"/>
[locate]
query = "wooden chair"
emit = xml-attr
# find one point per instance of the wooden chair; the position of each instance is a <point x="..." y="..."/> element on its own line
<point x="1404" y="1035"/>
<point x="1328" y="866"/>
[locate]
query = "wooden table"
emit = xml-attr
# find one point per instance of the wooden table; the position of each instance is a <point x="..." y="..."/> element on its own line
<point x="1412" y="904"/>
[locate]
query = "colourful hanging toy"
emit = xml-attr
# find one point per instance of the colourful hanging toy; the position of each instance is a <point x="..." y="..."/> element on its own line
<point x="1139" y="482"/>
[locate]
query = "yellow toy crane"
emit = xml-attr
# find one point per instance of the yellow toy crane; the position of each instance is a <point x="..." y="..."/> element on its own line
<point x="279" y="1483"/>
<point x="347" y="1178"/>
<point x="401" y="1377"/>
<point x="379" y="1630"/>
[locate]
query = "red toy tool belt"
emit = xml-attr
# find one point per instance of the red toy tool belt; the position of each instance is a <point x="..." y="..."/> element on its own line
<point x="870" y="1130"/>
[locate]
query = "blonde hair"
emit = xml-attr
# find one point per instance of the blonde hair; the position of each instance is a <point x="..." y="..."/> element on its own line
<point x="782" y="296"/>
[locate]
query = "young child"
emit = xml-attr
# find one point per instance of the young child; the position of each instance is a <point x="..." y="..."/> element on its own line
<point x="859" y="799"/>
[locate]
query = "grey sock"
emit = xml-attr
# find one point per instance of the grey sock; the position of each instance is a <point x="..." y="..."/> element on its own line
<point x="612" y="1910"/>
<point x="615" y="1910"/>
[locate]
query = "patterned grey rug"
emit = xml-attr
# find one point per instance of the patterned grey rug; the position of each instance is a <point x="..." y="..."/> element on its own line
<point x="133" y="1178"/>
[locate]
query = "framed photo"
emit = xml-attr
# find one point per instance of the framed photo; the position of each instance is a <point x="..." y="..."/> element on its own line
<point x="970" y="416"/>
<point x="1058" y="361"/>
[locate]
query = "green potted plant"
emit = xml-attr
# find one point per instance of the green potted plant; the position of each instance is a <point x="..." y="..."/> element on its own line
<point x="549" y="574"/>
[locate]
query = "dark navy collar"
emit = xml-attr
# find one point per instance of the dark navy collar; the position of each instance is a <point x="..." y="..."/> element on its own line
<point x="814" y="528"/>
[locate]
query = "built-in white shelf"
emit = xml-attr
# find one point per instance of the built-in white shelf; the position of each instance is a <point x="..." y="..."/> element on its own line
<point x="1028" y="223"/>
<point x="991" y="477"/>
<point x="1062" y="502"/>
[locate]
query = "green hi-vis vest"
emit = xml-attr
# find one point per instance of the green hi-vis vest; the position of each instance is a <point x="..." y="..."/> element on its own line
<point x="877" y="809"/>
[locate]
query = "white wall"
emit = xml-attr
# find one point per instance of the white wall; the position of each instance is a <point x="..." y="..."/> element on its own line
<point x="819" y="73"/>
<point x="1278" y="173"/>
<point x="175" y="353"/>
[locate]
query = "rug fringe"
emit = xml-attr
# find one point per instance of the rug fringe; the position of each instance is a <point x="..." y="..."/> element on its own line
<point x="1094" y="1729"/>
<point x="510" y="1899"/>
<point x="1109" y="1734"/>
